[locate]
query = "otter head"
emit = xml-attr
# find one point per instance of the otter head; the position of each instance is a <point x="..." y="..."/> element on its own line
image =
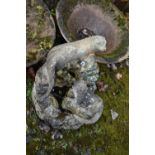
<point x="99" y="44"/>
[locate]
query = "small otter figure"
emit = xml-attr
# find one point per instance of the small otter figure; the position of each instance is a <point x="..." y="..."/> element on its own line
<point x="71" y="66"/>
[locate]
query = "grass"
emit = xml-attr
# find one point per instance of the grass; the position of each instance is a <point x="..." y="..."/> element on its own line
<point x="106" y="137"/>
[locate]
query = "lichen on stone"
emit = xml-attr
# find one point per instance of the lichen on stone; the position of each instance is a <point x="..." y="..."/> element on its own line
<point x="40" y="31"/>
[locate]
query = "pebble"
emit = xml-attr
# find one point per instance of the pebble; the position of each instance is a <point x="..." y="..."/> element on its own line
<point x="114" y="114"/>
<point x="27" y="112"/>
<point x="88" y="152"/>
<point x="101" y="86"/>
<point x="114" y="94"/>
<point x="44" y="127"/>
<point x="108" y="65"/>
<point x="56" y="135"/>
<point x="105" y="87"/>
<point x="118" y="76"/>
<point x="127" y="62"/>
<point x="114" y="67"/>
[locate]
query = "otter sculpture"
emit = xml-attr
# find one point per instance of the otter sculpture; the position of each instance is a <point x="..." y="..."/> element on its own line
<point x="71" y="69"/>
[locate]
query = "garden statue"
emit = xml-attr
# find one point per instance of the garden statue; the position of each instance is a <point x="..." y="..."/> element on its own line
<point x="64" y="87"/>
